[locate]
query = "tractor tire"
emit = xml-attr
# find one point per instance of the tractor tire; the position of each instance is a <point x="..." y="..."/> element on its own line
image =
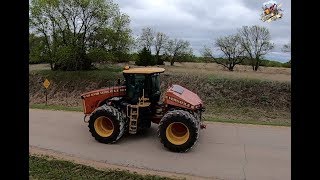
<point x="178" y="131"/>
<point x="107" y="124"/>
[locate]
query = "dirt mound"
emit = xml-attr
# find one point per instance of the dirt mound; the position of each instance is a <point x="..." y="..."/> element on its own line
<point x="214" y="91"/>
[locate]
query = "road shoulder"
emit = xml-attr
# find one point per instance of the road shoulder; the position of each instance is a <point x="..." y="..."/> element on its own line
<point x="103" y="166"/>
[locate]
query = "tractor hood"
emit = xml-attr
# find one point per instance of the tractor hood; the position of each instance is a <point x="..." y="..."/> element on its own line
<point x="177" y="95"/>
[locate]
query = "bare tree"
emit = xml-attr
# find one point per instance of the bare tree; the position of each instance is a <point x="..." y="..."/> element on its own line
<point x="286" y="47"/>
<point x="256" y="42"/>
<point x="177" y="48"/>
<point x="146" y="38"/>
<point x="232" y="50"/>
<point x="149" y="39"/>
<point x="160" y="43"/>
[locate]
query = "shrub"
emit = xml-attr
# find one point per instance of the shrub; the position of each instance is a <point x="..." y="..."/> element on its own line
<point x="145" y="58"/>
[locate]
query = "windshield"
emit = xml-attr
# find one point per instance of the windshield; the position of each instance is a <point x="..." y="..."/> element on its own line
<point x="155" y="83"/>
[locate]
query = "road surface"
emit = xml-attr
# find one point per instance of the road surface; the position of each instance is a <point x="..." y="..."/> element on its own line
<point x="226" y="151"/>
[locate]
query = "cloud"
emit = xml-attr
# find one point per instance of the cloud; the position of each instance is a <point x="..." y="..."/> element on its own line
<point x="202" y="21"/>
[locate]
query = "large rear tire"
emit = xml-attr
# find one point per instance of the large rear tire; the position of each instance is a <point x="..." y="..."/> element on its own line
<point x="106" y="124"/>
<point x="178" y="131"/>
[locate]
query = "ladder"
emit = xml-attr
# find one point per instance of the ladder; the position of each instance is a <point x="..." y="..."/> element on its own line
<point x="134" y="115"/>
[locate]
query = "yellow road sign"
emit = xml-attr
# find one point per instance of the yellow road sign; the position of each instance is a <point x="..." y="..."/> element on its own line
<point x="46" y="83"/>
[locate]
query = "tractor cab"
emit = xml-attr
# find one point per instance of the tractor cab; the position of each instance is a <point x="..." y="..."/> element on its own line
<point x="142" y="84"/>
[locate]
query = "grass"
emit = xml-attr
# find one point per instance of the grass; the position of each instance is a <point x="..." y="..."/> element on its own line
<point x="248" y="115"/>
<point x="241" y="71"/>
<point x="212" y="119"/>
<point x="45" y="167"/>
<point x="55" y="107"/>
<point x="103" y="73"/>
<point x="107" y="71"/>
<point x="250" y="121"/>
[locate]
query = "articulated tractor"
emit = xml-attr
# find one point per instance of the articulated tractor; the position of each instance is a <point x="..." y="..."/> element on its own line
<point x="132" y="106"/>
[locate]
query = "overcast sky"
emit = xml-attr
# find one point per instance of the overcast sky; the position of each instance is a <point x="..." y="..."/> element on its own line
<point x="201" y="21"/>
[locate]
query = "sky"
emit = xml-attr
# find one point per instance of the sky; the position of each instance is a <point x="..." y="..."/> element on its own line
<point x="202" y="21"/>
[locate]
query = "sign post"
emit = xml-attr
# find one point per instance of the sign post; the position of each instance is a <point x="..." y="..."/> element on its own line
<point x="46" y="84"/>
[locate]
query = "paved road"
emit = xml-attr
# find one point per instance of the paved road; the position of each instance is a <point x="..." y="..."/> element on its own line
<point x="226" y="151"/>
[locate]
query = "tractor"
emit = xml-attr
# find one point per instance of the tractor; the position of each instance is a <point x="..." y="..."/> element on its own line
<point x="134" y="103"/>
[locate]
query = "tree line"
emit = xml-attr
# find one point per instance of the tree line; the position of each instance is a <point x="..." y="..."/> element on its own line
<point x="164" y="48"/>
<point x="71" y="34"/>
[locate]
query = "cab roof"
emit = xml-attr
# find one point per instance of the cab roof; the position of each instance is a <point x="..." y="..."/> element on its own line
<point x="143" y="70"/>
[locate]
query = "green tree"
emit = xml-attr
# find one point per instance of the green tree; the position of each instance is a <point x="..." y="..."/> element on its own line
<point x="255" y="40"/>
<point x="116" y="40"/>
<point x="70" y="29"/>
<point x="37" y="49"/>
<point x="145" y="58"/>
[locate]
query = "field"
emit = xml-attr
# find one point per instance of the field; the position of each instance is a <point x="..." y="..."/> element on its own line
<point x="241" y="96"/>
<point x="240" y="71"/>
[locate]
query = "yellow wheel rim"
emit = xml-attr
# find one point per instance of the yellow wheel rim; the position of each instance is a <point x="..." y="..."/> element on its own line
<point x="177" y="133"/>
<point x="103" y="126"/>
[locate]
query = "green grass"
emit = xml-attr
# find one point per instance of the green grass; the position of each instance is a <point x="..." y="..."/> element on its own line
<point x="44" y="167"/>
<point x="212" y="119"/>
<point x="250" y="121"/>
<point x="248" y="115"/>
<point x="55" y="107"/>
